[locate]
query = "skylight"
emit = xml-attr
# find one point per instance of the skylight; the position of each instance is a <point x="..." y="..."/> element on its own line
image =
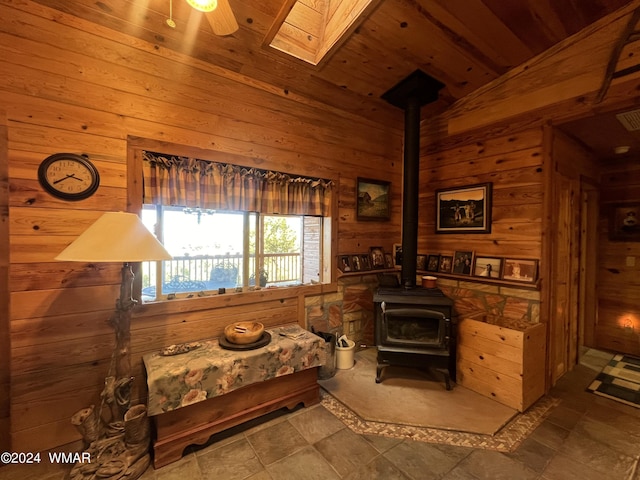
<point x="309" y="29"/>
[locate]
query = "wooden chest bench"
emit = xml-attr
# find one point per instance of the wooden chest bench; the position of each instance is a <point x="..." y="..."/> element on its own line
<point x="207" y="390"/>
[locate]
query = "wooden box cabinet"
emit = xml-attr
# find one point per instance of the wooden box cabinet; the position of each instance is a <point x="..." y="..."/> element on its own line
<point x="502" y="359"/>
<point x="194" y="424"/>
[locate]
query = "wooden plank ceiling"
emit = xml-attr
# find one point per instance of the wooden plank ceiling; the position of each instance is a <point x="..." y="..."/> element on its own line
<point x="462" y="43"/>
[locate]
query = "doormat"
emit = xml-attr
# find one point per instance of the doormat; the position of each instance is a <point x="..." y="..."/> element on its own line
<point x="619" y="380"/>
<point x="507" y="439"/>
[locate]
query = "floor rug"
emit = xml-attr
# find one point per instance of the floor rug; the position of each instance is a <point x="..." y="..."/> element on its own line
<point x="619" y="380"/>
<point x="506" y="435"/>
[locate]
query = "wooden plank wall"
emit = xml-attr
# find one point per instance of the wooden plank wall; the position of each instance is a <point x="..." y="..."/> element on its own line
<point x="5" y="371"/>
<point x="69" y="87"/>
<point x="513" y="163"/>
<point x="618" y="281"/>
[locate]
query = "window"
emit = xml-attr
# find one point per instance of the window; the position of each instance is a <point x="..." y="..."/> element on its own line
<point x="216" y="248"/>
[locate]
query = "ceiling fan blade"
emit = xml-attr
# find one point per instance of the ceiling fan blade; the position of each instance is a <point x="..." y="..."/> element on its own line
<point x="222" y="19"/>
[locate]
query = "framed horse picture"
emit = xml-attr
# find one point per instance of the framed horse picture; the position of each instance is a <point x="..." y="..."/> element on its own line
<point x="464" y="209"/>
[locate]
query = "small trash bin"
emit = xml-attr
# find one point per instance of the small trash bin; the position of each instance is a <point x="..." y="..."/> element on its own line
<point x="345" y="355"/>
<point x="328" y="369"/>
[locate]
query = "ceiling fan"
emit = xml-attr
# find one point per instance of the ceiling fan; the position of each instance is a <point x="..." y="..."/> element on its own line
<point x="218" y="14"/>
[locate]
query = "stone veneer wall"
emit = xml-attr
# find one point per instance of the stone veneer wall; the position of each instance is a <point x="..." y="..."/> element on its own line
<point x="476" y="298"/>
<point x="350" y="310"/>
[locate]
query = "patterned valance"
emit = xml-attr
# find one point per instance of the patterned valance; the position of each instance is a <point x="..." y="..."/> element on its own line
<point x="190" y="182"/>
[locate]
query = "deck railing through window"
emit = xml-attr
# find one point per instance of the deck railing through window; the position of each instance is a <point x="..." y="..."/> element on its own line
<point x="211" y="272"/>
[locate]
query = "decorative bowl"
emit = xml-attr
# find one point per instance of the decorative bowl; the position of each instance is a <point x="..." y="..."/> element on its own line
<point x="242" y="333"/>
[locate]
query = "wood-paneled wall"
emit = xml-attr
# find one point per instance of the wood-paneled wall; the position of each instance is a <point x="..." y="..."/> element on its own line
<point x="68" y="89"/>
<point x="5" y="371"/>
<point x="618" y="327"/>
<point x="514" y="165"/>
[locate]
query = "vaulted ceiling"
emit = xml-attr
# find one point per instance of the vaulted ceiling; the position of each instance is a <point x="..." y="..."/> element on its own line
<point x="462" y="43"/>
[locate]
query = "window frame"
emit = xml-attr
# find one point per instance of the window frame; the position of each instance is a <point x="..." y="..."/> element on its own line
<point x="328" y="243"/>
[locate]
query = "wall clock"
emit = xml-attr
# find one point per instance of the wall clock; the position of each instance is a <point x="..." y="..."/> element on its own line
<point x="68" y="176"/>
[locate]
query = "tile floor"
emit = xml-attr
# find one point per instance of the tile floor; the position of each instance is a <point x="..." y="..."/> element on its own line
<point x="585" y="438"/>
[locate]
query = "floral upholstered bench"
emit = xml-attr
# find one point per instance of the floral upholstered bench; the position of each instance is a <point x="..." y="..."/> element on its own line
<point x="209" y="389"/>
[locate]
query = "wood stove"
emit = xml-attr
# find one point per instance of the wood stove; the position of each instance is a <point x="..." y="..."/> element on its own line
<point x="414" y="326"/>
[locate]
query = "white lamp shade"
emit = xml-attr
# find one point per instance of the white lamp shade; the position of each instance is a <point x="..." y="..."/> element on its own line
<point x="115" y="237"/>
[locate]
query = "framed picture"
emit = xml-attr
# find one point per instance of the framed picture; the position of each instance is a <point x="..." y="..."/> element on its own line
<point x="373" y="200"/>
<point x="624" y="222"/>
<point x="433" y="263"/>
<point x="388" y="260"/>
<point x="365" y="262"/>
<point x="445" y="263"/>
<point x="421" y="262"/>
<point x="490" y="267"/>
<point x="520" y="270"/>
<point x="344" y="263"/>
<point x="464" y="209"/>
<point x="355" y="263"/>
<point x="397" y="254"/>
<point x="377" y="257"/>
<point x="462" y="262"/>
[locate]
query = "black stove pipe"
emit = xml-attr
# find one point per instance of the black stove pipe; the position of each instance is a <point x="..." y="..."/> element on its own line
<point x="411" y="94"/>
<point x="410" y="192"/>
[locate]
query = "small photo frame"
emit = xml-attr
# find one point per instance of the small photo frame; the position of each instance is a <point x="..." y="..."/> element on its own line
<point x="376" y="255"/>
<point x="624" y="222"/>
<point x="462" y="262"/>
<point x="344" y="263"/>
<point x="446" y="261"/>
<point x="520" y="270"/>
<point x="397" y="254"/>
<point x="421" y="262"/>
<point x="373" y="199"/>
<point x="388" y="260"/>
<point x="356" y="264"/>
<point x="365" y="262"/>
<point x="489" y="267"/>
<point x="433" y="263"/>
<point x="464" y="209"/>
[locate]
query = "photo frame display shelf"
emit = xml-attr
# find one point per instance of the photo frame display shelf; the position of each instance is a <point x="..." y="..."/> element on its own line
<point x="376" y="259"/>
<point x="516" y="272"/>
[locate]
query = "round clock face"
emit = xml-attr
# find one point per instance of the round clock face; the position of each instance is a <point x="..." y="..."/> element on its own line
<point x="68" y="176"/>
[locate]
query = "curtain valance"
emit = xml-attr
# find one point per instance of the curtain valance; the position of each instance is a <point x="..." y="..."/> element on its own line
<point x="190" y="182"/>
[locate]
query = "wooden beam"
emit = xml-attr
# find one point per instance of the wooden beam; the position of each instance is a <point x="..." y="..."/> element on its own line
<point x="626" y="37"/>
<point x="571" y="70"/>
